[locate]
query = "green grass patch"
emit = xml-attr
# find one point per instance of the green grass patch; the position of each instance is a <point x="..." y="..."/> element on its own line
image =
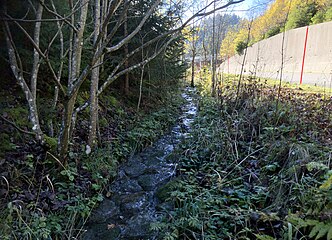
<point x="251" y="170"/>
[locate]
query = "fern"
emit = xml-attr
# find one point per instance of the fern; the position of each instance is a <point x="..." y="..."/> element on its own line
<point x="264" y="237"/>
<point x="327" y="184"/>
<point x="318" y="229"/>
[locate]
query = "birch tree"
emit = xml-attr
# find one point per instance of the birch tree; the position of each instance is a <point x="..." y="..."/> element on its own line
<point x="16" y="65"/>
<point x="74" y="46"/>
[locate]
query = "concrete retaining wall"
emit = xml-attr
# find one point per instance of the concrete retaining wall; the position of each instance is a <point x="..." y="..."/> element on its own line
<point x="265" y="57"/>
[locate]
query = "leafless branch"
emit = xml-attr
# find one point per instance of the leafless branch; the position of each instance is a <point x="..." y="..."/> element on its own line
<point x="17" y="127"/>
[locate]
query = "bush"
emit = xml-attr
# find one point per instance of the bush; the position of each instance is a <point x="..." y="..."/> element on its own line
<point x="318" y="18"/>
<point x="240" y="46"/>
<point x="328" y="15"/>
<point x="272" y="31"/>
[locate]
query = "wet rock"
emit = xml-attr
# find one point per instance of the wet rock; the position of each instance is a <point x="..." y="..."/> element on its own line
<point x="105" y="231"/>
<point x="151" y="170"/>
<point x="132" y="204"/>
<point x="126" y="185"/>
<point x="106" y="210"/>
<point x="134" y="168"/>
<point x="150" y="181"/>
<point x="139" y="228"/>
<point x="151" y="156"/>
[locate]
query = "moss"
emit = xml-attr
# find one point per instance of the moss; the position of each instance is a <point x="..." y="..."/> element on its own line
<point x="5" y="144"/>
<point x="18" y="115"/>
<point x="163" y="193"/>
<point x="103" y="122"/>
<point x="52" y="143"/>
<point x="110" y="100"/>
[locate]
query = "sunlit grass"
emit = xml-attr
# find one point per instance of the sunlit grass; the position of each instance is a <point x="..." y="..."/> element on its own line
<point x="305" y="88"/>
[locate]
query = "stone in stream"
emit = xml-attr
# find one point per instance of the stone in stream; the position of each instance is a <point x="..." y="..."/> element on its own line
<point x="138" y="227"/>
<point x="132" y="204"/>
<point x="102" y="231"/>
<point x="106" y="210"/>
<point x="134" y="169"/>
<point x="149" y="182"/>
<point x="134" y="166"/>
<point x="126" y="186"/>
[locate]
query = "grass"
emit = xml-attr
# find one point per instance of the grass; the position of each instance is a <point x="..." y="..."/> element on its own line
<point x="252" y="171"/>
<point x="305" y="88"/>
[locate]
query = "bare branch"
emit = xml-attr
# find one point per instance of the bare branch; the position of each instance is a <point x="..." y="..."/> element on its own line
<point x="17" y="127"/>
<point x="112" y="78"/>
<point x="36" y="47"/>
<point x="138" y="28"/>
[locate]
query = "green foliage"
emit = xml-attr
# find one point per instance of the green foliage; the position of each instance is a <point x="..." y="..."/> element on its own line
<point x="52" y="143"/>
<point x="6" y="144"/>
<point x="272" y="31"/>
<point x="318" y="17"/>
<point x="301" y="16"/>
<point x="247" y="169"/>
<point x="328" y="14"/>
<point x="204" y="81"/>
<point x="240" y="47"/>
<point x="18" y="115"/>
<point x="316" y="229"/>
<point x="52" y="211"/>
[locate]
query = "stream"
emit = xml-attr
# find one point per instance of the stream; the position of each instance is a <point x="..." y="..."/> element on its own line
<point x="133" y="205"/>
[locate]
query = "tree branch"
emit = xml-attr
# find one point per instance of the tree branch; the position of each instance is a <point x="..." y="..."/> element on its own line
<point x="36" y="47"/>
<point x="137" y="29"/>
<point x="17" y="127"/>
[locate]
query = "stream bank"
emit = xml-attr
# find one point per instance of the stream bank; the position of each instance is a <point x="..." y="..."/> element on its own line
<point x="133" y="205"/>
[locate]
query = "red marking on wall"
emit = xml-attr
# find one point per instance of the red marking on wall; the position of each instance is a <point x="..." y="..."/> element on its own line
<point x="304" y="51"/>
<point x="228" y="64"/>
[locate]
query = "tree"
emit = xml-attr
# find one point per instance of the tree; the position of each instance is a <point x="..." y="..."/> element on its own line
<point x="301" y="16"/>
<point x="81" y="57"/>
<point x="18" y="70"/>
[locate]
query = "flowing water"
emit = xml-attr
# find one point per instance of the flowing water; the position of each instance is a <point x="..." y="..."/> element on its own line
<point x="133" y="205"/>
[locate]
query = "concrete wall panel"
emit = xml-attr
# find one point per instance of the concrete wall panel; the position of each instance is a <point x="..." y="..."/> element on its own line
<point x="265" y="57"/>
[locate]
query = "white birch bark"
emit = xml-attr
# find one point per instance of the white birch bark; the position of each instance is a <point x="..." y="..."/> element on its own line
<point x="92" y="140"/>
<point x="17" y="69"/>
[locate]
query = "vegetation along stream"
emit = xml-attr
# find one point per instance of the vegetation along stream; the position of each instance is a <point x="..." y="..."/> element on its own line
<point x="133" y="205"/>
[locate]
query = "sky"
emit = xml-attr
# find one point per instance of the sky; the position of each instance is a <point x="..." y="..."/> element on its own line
<point x="249" y="8"/>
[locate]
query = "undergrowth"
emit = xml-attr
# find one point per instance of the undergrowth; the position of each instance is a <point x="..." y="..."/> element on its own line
<point x="254" y="167"/>
<point x="41" y="199"/>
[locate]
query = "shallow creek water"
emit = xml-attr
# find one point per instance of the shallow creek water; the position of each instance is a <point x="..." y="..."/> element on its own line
<point x="133" y="205"/>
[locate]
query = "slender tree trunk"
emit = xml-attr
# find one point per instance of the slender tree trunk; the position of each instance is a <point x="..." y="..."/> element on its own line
<point x="63" y="143"/>
<point x="67" y="129"/>
<point x="192" y="83"/>
<point x="213" y="85"/>
<point x="17" y="69"/>
<point x="126" y="50"/>
<point x="92" y="140"/>
<point x="140" y="89"/>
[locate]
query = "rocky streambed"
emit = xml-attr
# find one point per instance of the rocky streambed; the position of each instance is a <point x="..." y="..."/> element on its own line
<point x="133" y="205"/>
